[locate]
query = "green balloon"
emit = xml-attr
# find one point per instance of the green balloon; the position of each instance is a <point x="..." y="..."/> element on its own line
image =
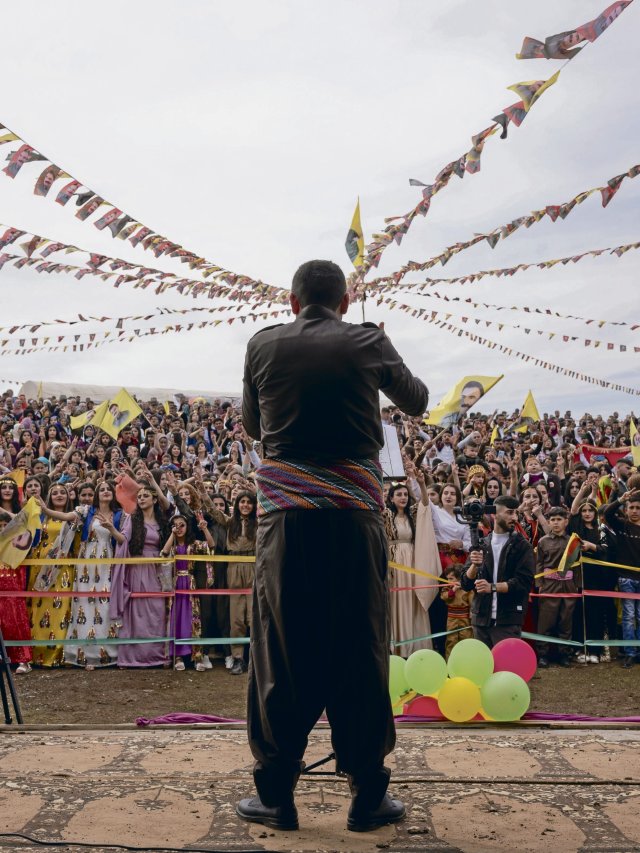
<point x="471" y="659"/>
<point x="505" y="696"/>
<point x="397" y="680"/>
<point x="426" y="671"/>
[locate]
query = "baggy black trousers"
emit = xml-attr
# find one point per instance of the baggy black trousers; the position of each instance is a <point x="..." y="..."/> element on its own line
<point x="320" y="640"/>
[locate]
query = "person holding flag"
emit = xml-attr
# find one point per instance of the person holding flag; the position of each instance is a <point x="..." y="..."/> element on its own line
<point x="529" y="415"/>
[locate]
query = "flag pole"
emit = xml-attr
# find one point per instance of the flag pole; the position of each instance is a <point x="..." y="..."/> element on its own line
<point x="364" y="299"/>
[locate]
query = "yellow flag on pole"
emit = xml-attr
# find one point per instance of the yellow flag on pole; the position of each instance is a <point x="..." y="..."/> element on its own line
<point x="120" y="411"/>
<point x="17" y="537"/>
<point x="529" y="415"/>
<point x="635" y="443"/>
<point x="354" y="243"/>
<point x="92" y="416"/>
<point x="455" y="405"/>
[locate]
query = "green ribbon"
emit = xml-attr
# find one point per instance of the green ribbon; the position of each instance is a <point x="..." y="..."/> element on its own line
<point x="428" y="636"/>
<point x="542" y="638"/>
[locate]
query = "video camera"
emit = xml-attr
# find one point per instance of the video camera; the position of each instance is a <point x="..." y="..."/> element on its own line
<point x="471" y="514"/>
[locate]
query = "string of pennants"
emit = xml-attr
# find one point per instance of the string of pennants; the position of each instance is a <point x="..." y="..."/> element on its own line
<point x="560" y="46"/>
<point x="109" y="217"/>
<point x="117" y="321"/>
<point x="122" y="271"/>
<point x="552" y="211"/>
<point x="545" y="312"/>
<point x="30" y="345"/>
<point x="423" y="313"/>
<point x="539" y="362"/>
<point x="503" y="272"/>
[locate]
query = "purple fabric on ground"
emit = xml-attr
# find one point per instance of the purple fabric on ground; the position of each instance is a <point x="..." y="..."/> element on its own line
<point x="180" y="719"/>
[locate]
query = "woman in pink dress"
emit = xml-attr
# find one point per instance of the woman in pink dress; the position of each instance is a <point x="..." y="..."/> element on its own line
<point x="144" y="531"/>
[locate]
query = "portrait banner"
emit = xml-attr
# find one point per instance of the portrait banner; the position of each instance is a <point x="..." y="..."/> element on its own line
<point x="455" y="405"/>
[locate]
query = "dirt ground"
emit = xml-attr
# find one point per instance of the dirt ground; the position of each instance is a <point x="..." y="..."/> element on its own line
<point x="119" y="696"/>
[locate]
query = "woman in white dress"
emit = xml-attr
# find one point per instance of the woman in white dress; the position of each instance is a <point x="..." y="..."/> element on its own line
<point x="411" y="543"/>
<point x="90" y="614"/>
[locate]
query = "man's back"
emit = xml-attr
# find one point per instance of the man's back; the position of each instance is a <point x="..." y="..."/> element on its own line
<point x="311" y="387"/>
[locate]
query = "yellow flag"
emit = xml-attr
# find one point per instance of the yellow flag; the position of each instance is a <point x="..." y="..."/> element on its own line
<point x="39" y="394"/>
<point x="120" y="411"/>
<point x="17" y="537"/>
<point x="530" y="90"/>
<point x="355" y="239"/>
<point x="165" y="406"/>
<point x="495" y="434"/>
<point x="92" y="416"/>
<point x="18" y="475"/>
<point x="460" y="400"/>
<point x="529" y="414"/>
<point x="635" y="443"/>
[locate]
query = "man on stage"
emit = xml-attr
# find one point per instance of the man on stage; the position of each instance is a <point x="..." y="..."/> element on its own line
<point x="320" y="623"/>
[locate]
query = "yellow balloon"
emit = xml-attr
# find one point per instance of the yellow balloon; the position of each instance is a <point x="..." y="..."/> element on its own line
<point x="459" y="699"/>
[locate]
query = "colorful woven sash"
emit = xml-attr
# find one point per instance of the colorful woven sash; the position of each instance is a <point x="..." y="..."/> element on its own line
<point x="347" y="484"/>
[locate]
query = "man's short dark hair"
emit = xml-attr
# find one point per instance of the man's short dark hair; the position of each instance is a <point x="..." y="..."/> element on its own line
<point x="319" y="283"/>
<point x="556" y="511"/>
<point x="507" y="501"/>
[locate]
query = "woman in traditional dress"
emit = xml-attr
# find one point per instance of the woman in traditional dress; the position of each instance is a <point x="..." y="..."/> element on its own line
<point x="241" y="541"/>
<point x="185" y="609"/>
<point x="14" y="618"/>
<point x="50" y="616"/>
<point x="408" y="616"/>
<point x="141" y="618"/>
<point x="453" y="542"/>
<point x="90" y="614"/>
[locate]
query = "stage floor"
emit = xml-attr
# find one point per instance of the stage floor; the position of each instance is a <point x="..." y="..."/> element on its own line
<point x="482" y="789"/>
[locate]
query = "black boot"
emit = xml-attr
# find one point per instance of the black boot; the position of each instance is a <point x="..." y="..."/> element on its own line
<point x="277" y="817"/>
<point x="389" y="811"/>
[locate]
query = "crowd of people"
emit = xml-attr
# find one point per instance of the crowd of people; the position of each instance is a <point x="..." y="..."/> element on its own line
<point x="177" y="486"/>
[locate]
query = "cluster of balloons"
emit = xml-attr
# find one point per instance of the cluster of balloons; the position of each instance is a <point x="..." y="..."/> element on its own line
<point x="476" y="683"/>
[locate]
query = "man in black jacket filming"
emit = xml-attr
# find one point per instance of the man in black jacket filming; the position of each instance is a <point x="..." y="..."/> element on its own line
<point x="501" y="574"/>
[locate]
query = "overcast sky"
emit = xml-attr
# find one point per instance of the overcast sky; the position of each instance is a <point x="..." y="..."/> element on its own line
<point x="246" y="131"/>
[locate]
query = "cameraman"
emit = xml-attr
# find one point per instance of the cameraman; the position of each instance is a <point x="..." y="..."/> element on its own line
<point x="501" y="574"/>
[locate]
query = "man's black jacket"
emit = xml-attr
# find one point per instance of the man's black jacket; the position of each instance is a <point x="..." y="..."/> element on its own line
<point x="311" y="387"/>
<point x="516" y="567"/>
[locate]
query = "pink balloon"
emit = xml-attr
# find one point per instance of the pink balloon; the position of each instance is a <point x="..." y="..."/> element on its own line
<point x="423" y="706"/>
<point x="514" y="655"/>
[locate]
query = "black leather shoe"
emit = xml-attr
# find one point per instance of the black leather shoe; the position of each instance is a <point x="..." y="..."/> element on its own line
<point x="564" y="662"/>
<point x="389" y="811"/>
<point x="280" y="817"/>
<point x="543" y="663"/>
<point x="628" y="662"/>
